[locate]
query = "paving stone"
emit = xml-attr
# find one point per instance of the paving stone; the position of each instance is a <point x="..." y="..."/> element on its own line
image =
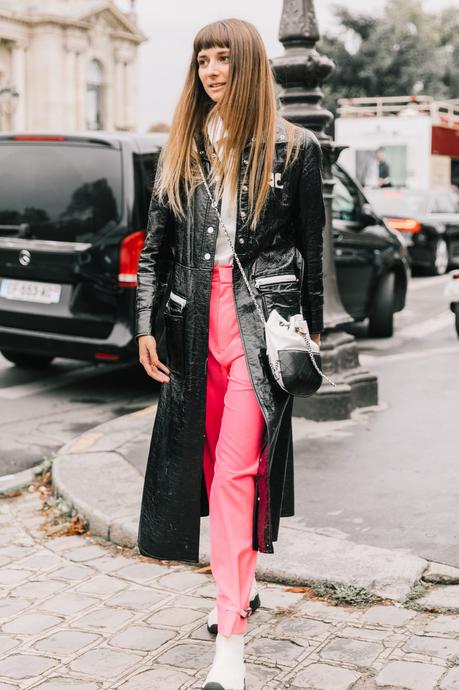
<point x="10" y="606"/>
<point x="187" y="601"/>
<point x="105" y="662"/>
<point x="65" y="684"/>
<point x="432" y="646"/>
<point x="65" y="642"/>
<point x="142" y="638"/>
<point x="187" y="655"/>
<point x="387" y="615"/>
<point x="101" y="584"/>
<point x="273" y="598"/>
<point x="257" y="675"/>
<point x="16" y="551"/>
<point x="21" y="666"/>
<point x="305" y="628"/>
<point x="451" y="680"/>
<point x="156" y="679"/>
<point x="7" y="643"/>
<point x="181" y="581"/>
<point x="38" y="589"/>
<point x="174" y="617"/>
<point x="104" y="618"/>
<point x="140" y="599"/>
<point x="9" y="576"/>
<point x="317" y="609"/>
<point x="42" y="561"/>
<point x="109" y="564"/>
<point x="441" y="573"/>
<point x="74" y="572"/>
<point x="279" y="651"/>
<point x="69" y="603"/>
<point x="31" y="624"/>
<point x="356" y="652"/>
<point x="86" y="553"/>
<point x="64" y="543"/>
<point x="443" y="624"/>
<point x="325" y="677"/>
<point x="442" y="597"/>
<point x="409" y="675"/>
<point x="364" y="633"/>
<point x="141" y="572"/>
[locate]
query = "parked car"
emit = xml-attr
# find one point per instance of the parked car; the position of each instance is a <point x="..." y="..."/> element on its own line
<point x="371" y="260"/>
<point x="73" y="211"/>
<point x="429" y="221"/>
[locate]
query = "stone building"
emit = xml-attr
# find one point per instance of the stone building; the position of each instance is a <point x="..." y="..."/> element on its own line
<point x="67" y="65"/>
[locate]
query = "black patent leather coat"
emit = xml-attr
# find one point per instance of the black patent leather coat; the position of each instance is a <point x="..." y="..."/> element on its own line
<point x="179" y="255"/>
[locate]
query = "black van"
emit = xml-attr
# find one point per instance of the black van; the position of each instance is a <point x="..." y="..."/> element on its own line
<point x="73" y="210"/>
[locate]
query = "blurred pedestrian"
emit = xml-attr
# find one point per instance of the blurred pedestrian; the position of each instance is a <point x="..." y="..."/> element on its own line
<point x="383" y="169"/>
<point x="222" y="443"/>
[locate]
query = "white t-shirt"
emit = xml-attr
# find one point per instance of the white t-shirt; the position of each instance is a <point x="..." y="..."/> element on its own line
<point x="223" y="253"/>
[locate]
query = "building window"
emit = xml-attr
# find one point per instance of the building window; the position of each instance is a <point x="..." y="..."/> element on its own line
<point x="94" y="96"/>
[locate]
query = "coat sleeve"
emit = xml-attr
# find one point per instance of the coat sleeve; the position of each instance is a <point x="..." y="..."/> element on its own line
<point x="309" y="223"/>
<point x="151" y="261"/>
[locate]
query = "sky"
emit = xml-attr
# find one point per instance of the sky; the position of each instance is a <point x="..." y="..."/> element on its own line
<point x="170" y="26"/>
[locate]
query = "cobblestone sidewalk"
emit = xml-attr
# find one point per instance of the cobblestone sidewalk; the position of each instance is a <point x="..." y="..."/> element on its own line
<point x="78" y="613"/>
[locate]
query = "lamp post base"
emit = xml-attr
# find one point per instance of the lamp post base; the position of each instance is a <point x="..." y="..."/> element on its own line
<point x="355" y="386"/>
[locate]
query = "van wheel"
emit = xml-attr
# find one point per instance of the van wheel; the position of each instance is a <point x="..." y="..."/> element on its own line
<point x="381" y="324"/>
<point x="26" y="360"/>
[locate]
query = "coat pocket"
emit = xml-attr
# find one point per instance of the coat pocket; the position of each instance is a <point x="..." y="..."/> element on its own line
<point x="281" y="292"/>
<point x="174" y="328"/>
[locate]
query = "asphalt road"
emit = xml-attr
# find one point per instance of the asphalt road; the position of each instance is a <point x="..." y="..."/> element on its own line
<point x="391" y="477"/>
<point x="40" y="410"/>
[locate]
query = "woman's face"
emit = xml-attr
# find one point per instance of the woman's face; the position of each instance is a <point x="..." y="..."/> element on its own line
<point x="213" y="70"/>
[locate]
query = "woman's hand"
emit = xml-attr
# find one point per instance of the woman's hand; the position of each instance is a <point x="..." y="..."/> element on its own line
<point x="148" y="357"/>
<point x="316" y="338"/>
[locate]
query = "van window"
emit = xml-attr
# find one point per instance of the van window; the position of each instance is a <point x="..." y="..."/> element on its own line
<point x="59" y="191"/>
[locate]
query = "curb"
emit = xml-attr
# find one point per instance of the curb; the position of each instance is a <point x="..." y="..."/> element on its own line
<point x="92" y="474"/>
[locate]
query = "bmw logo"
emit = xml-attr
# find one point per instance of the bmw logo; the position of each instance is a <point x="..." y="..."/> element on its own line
<point x="25" y="257"/>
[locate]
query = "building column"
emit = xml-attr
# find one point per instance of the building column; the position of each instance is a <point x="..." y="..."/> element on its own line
<point x="18" y="81"/>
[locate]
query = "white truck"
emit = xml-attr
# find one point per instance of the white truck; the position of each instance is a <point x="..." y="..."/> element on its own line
<point x="417" y="137"/>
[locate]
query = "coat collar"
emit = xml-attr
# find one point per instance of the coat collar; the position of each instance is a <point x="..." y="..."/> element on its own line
<point x="281" y="138"/>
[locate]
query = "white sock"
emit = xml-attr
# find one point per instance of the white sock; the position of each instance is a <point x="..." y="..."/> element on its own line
<point x="228" y="667"/>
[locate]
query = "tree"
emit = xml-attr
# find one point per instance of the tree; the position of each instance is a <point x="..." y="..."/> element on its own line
<point x="406" y="51"/>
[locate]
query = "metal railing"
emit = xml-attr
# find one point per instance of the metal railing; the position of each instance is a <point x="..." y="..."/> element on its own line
<point x="445" y="113"/>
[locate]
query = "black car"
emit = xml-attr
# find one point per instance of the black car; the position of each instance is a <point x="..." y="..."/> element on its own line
<point x="428" y="219"/>
<point x="370" y="257"/>
<point x="73" y="211"/>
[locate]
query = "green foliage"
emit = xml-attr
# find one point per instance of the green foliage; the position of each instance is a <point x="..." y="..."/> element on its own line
<point x="342" y="594"/>
<point x="404" y="51"/>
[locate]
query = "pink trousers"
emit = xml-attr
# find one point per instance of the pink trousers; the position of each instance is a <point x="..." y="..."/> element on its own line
<point x="234" y="434"/>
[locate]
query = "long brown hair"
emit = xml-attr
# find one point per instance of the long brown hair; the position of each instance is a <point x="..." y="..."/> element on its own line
<point x="248" y="110"/>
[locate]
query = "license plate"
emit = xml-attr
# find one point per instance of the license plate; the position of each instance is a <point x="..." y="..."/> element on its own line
<point x="30" y="291"/>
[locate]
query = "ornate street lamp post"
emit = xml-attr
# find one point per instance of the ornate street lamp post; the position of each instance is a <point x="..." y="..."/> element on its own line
<point x="300" y="72"/>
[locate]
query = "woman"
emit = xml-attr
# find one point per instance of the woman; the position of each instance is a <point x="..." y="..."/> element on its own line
<point x="221" y="442"/>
